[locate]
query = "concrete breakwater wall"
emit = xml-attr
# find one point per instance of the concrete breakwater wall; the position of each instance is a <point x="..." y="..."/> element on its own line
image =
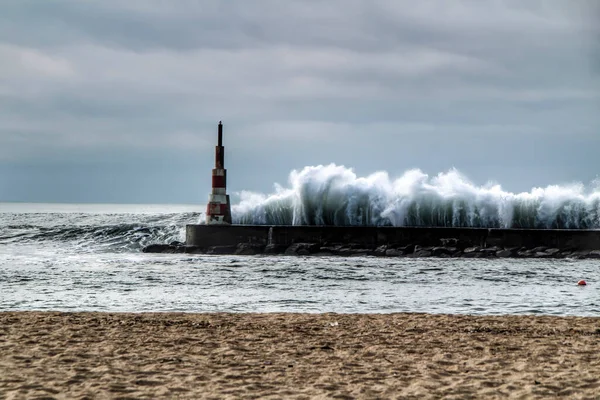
<point x="386" y="241"/>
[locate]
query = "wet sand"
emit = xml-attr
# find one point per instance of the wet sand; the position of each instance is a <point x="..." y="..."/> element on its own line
<point x="166" y="355"/>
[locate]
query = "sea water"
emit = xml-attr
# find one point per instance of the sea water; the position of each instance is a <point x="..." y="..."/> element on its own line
<point x="88" y="258"/>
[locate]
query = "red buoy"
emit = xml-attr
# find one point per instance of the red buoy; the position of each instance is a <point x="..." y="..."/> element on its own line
<point x="582" y="283"/>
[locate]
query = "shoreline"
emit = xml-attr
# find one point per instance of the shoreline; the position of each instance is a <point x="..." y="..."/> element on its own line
<point x="222" y="355"/>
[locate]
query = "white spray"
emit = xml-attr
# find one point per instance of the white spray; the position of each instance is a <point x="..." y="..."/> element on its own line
<point x="334" y="195"/>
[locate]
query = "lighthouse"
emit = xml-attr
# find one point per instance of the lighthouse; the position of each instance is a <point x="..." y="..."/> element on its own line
<point x="218" y="210"/>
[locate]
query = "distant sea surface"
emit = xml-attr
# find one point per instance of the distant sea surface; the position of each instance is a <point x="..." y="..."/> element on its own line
<point x="86" y="257"/>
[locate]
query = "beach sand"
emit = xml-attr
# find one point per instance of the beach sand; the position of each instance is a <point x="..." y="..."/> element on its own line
<point x="293" y="356"/>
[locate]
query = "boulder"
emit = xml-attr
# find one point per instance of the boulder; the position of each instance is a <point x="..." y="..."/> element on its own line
<point x="408" y="249"/>
<point x="348" y="252"/>
<point x="540" y="254"/>
<point x="302" y="249"/>
<point x="449" y="242"/>
<point x="469" y="250"/>
<point x="454" y="242"/>
<point x="394" y="253"/>
<point x="504" y="254"/>
<point x="249" y="249"/>
<point x="565" y="254"/>
<point x="340" y="250"/>
<point x="194" y="250"/>
<point x="380" y="251"/>
<point x="334" y="249"/>
<point x="525" y="253"/>
<point x="163" y="248"/>
<point x="361" y="252"/>
<point x="593" y="254"/>
<point x="322" y="253"/>
<point x="441" y="251"/>
<point x="216" y="250"/>
<point x="489" y="251"/>
<point x="580" y="254"/>
<point x="473" y="252"/>
<point x="155" y="248"/>
<point x="512" y="252"/>
<point x="422" y="252"/>
<point x="275" y="249"/>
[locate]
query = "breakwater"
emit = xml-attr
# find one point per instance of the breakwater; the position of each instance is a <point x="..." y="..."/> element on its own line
<point x="386" y="241"/>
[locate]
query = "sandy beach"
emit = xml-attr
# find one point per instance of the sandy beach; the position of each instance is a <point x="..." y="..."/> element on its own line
<point x="166" y="355"/>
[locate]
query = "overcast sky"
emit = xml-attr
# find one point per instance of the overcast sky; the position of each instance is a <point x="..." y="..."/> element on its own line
<point x="118" y="101"/>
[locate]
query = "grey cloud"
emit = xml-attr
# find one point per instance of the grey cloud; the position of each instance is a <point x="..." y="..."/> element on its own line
<point x="426" y="84"/>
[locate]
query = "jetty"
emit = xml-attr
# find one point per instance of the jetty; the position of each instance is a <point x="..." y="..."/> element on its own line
<point x="219" y="236"/>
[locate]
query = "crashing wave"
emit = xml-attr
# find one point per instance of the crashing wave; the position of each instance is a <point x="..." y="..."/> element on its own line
<point x="89" y="232"/>
<point x="335" y="195"/>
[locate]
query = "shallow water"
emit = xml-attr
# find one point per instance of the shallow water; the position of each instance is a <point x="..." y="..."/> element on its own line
<point x="90" y="259"/>
<point x="144" y="282"/>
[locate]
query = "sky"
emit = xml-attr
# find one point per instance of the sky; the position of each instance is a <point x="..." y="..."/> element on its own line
<point x="118" y="101"/>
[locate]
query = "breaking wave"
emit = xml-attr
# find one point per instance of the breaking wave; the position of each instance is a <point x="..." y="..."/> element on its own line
<point x="335" y="195"/>
<point x="88" y="232"/>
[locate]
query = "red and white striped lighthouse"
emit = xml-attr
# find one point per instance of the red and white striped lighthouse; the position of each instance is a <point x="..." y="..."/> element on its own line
<point x="218" y="211"/>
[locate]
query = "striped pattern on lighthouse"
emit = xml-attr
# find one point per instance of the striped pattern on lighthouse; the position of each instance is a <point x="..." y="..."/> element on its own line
<point x="218" y="210"/>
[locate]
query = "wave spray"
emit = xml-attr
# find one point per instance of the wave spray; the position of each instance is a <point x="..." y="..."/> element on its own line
<point x="335" y="195"/>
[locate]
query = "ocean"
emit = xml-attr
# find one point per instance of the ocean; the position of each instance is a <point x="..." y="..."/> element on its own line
<point x="84" y="257"/>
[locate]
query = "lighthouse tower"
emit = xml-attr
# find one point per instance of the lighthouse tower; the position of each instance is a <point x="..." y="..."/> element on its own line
<point x="218" y="211"/>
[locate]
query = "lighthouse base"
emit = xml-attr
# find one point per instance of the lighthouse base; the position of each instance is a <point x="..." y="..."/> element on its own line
<point x="218" y="210"/>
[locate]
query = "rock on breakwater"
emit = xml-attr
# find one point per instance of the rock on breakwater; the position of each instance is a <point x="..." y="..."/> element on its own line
<point x="357" y="249"/>
<point x="387" y="241"/>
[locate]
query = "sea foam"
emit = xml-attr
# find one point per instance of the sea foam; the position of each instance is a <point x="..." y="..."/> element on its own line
<point x="335" y="195"/>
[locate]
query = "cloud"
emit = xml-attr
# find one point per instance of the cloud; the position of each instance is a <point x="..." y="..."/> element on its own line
<point x="25" y="62"/>
<point x="94" y="80"/>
